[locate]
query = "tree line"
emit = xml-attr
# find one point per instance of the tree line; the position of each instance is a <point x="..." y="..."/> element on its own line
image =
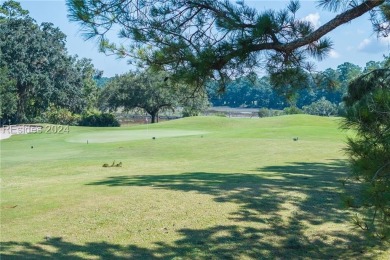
<point x="40" y="81"/>
<point x="323" y="94"/>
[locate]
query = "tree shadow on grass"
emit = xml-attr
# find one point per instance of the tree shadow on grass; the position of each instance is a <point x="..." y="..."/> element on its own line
<point x="56" y="248"/>
<point x="313" y="188"/>
<point x="277" y="207"/>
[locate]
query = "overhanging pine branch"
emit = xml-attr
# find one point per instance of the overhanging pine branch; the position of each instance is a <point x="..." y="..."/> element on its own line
<point x="341" y="19"/>
<point x="289" y="47"/>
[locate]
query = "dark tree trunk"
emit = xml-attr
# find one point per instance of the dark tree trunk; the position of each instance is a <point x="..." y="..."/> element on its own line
<point x="153" y="115"/>
<point x="20" y="116"/>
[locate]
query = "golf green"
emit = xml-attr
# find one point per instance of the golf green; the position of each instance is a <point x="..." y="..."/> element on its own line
<point x="129" y="135"/>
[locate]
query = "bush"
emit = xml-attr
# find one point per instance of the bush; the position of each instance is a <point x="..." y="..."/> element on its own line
<point x="61" y="116"/>
<point x="292" y="110"/>
<point x="321" y="107"/>
<point x="190" y="111"/>
<point x="265" y="112"/>
<point x="194" y="106"/>
<point x="99" y="119"/>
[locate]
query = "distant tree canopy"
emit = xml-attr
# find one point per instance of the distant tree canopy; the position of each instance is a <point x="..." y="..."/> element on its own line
<point x="247" y="91"/>
<point x="150" y="91"/>
<point x="253" y="91"/>
<point x="217" y="39"/>
<point x="37" y="69"/>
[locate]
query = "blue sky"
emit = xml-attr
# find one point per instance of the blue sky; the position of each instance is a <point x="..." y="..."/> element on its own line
<point x="354" y="42"/>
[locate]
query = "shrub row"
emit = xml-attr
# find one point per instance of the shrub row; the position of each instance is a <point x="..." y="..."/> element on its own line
<point x="321" y="107"/>
<point x="63" y="116"/>
<point x="99" y="119"/>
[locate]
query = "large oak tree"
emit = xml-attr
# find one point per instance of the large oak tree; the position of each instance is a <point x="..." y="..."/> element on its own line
<point x="151" y="91"/>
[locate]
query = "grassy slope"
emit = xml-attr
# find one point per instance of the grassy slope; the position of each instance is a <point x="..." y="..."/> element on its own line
<point x="243" y="190"/>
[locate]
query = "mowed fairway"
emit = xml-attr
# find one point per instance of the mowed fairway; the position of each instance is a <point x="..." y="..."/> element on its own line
<point x="204" y="188"/>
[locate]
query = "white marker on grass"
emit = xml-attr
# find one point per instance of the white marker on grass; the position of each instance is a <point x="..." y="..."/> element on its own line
<point x="147" y="125"/>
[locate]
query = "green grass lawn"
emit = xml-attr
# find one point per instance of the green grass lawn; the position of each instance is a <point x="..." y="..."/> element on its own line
<point x="204" y="188"/>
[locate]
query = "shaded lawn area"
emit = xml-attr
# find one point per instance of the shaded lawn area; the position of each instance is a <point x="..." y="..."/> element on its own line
<point x="284" y="212"/>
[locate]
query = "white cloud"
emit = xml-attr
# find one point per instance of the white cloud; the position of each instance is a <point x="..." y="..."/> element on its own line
<point x="334" y="54"/>
<point x="364" y="44"/>
<point x="374" y="45"/>
<point x="314" y="18"/>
